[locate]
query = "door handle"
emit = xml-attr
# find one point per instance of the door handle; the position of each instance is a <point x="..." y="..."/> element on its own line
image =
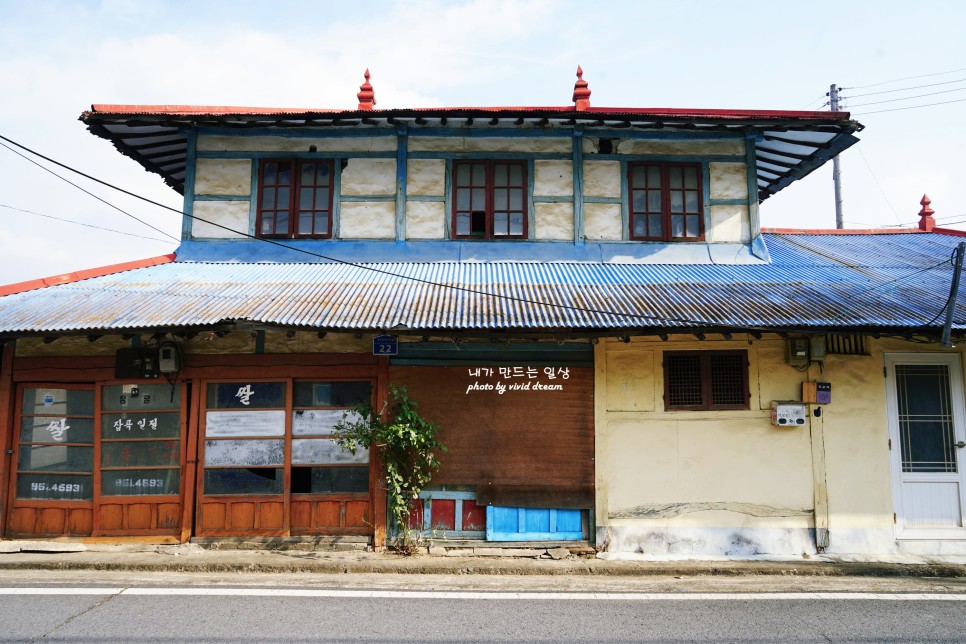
<point x="960" y="444"/>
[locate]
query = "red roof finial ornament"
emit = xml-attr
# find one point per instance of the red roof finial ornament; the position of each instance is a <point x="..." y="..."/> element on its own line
<point x="926" y="221"/>
<point x="581" y="97"/>
<point x="367" y="97"/>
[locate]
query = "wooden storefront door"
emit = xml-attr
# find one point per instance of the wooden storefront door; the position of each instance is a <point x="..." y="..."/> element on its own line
<point x="98" y="461"/>
<point x="270" y="464"/>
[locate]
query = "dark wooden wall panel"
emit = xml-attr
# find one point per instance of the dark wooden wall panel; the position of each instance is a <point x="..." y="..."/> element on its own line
<point x="522" y="439"/>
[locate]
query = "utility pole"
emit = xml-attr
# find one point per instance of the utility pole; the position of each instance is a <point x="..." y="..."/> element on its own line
<point x="833" y="96"/>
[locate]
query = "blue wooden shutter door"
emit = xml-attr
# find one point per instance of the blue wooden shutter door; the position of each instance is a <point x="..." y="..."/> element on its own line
<point x="533" y="524"/>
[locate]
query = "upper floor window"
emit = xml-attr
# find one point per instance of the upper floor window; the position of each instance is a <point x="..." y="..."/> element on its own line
<point x="666" y="201"/>
<point x="295" y="198"/>
<point x="489" y="199"/>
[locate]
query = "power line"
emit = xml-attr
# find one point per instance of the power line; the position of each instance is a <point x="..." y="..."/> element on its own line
<point x="876" y="179"/>
<point x="81" y="223"/>
<point x="104" y="201"/>
<point x="454" y="287"/>
<point x="896" y="80"/>
<point x="909" y="98"/>
<point x="906" y="89"/>
<point x="911" y="107"/>
<point x="812" y="102"/>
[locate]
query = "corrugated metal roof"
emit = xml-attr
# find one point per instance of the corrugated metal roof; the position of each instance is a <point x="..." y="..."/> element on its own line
<point x="788" y="144"/>
<point x="842" y="282"/>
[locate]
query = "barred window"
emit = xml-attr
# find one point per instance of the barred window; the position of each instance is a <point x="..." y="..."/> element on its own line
<point x="702" y="380"/>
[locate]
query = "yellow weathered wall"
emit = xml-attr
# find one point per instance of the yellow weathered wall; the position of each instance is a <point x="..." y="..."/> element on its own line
<point x="729" y="224"/>
<point x="602" y="178"/>
<point x="425" y="220"/>
<point x="425" y="177"/>
<point x="376" y="177"/>
<point x="602" y="222"/>
<point x="553" y="221"/>
<point x="368" y="220"/>
<point x="553" y="178"/>
<point x="487" y="144"/>
<point x="725" y="462"/>
<point x="284" y="144"/>
<point x="676" y="147"/>
<point x="233" y="215"/>
<point x="368" y="177"/>
<point x="728" y="180"/>
<point x="231" y="177"/>
<point x="701" y="477"/>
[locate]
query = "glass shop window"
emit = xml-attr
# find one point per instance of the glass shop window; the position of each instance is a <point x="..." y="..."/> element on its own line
<point x="56" y="444"/>
<point x="249" y="449"/>
<point x="140" y="440"/>
<point x="319" y="465"/>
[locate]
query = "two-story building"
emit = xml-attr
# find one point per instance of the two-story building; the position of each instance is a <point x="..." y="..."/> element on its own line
<point x="583" y="298"/>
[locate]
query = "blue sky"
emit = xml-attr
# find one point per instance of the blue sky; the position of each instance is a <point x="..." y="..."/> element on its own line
<point x="56" y="58"/>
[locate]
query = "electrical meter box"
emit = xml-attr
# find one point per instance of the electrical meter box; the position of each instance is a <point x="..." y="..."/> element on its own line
<point x="796" y="351"/>
<point x="823" y="393"/>
<point x="141" y="362"/>
<point x="788" y="413"/>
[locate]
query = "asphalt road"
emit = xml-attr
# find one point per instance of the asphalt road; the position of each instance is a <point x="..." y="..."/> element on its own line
<point x="104" y="608"/>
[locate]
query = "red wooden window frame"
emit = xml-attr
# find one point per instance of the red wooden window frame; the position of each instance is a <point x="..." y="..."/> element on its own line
<point x="272" y="201"/>
<point x="491" y="190"/>
<point x="713" y="380"/>
<point x="651" y="206"/>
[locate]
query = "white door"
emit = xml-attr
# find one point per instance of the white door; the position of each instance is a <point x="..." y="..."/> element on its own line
<point x="926" y="416"/>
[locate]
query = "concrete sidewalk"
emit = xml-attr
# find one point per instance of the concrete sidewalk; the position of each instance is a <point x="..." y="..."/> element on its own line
<point x="39" y="555"/>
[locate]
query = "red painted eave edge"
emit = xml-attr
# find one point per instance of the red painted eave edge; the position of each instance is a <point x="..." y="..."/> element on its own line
<point x="216" y="110"/>
<point x="843" y="231"/>
<point x="861" y="231"/>
<point x="76" y="276"/>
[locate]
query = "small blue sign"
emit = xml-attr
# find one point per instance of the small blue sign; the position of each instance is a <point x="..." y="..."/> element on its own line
<point x="385" y="345"/>
<point x="48" y="400"/>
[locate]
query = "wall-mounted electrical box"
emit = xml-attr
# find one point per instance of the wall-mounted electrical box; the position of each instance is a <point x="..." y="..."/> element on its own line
<point x="136" y="363"/>
<point x="800" y="351"/>
<point x="823" y="393"/>
<point x="816" y="348"/>
<point x="788" y="413"/>
<point x="796" y="351"/>
<point x="817" y="392"/>
<point x="168" y="359"/>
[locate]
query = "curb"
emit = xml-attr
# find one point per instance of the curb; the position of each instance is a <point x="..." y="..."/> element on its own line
<point x="274" y="562"/>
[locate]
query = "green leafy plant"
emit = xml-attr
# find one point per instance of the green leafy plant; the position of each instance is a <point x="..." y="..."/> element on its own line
<point x="406" y="443"/>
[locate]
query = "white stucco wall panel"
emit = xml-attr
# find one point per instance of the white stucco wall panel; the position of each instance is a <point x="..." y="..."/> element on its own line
<point x="369" y="177"/>
<point x="603" y="222"/>
<point x="602" y="178"/>
<point x="730" y="224"/>
<point x="859" y="473"/>
<point x="233" y="215"/>
<point x="728" y="180"/>
<point x="426" y="177"/>
<point x="488" y="144"/>
<point x="630" y="380"/>
<point x="367" y="220"/>
<point x="678" y="147"/>
<point x="698" y="477"/>
<point x="295" y="144"/>
<point x="553" y="178"/>
<point x="228" y="177"/>
<point x="553" y="221"/>
<point x="425" y="220"/>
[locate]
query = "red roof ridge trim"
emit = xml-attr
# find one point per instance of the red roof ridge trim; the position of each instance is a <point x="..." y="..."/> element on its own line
<point x="76" y="276"/>
<point x="228" y="110"/>
<point x="843" y="231"/>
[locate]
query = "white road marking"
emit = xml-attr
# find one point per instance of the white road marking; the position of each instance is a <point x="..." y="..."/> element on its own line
<point x="418" y="594"/>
